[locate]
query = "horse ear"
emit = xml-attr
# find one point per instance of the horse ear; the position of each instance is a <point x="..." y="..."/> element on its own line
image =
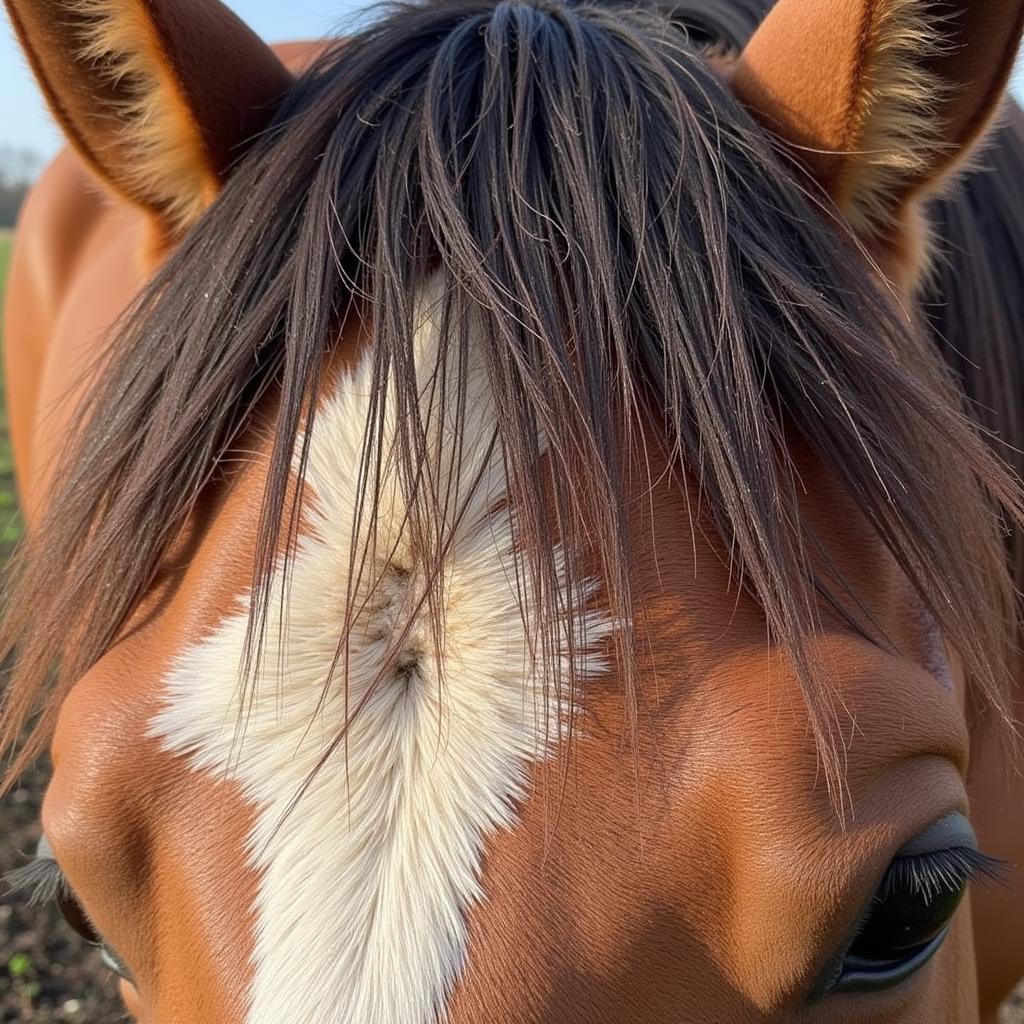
<point x="881" y="98"/>
<point x="158" y="96"/>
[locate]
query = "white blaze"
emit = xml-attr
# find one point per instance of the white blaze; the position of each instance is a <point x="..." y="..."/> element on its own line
<point x="366" y="885"/>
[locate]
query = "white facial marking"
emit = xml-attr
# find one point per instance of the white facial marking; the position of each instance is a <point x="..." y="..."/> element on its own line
<point x="365" y="887"/>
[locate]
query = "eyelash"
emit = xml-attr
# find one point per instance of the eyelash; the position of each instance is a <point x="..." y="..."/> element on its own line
<point x="39" y="881"/>
<point x="928" y="873"/>
<point x="941" y="871"/>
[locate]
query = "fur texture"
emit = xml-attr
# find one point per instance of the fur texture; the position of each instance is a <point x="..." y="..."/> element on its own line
<point x="168" y="169"/>
<point x="365" y="885"/>
<point x="893" y="135"/>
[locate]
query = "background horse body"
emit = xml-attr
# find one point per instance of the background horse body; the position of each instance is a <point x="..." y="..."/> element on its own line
<point x="390" y="827"/>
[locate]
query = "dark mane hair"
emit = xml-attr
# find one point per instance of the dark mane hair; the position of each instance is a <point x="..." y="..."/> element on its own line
<point x="974" y="301"/>
<point x="631" y="248"/>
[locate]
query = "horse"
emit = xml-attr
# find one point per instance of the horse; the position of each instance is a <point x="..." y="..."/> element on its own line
<point x="509" y="536"/>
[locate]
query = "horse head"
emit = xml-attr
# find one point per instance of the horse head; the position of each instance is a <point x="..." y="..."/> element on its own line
<point x="519" y="556"/>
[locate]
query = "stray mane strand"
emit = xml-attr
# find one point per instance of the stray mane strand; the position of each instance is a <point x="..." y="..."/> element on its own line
<point x="647" y="269"/>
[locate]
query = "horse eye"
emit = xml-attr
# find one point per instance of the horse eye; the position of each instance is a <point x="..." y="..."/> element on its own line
<point x="72" y="912"/>
<point x="903" y="928"/>
<point x="114" y="963"/>
<point x="79" y="921"/>
<point x="44" y="882"/>
<point x="912" y="907"/>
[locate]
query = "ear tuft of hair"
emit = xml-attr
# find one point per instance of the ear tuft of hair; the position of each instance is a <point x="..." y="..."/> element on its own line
<point x="892" y="126"/>
<point x="156" y="124"/>
<point x="160" y="98"/>
<point x="881" y="100"/>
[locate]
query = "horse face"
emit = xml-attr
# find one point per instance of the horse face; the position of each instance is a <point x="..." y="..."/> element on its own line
<point x="703" y="875"/>
<point x="479" y="846"/>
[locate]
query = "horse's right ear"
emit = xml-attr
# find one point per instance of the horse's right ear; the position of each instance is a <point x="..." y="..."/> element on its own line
<point x="158" y="96"/>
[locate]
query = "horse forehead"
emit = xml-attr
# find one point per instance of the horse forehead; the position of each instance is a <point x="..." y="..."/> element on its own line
<point x="693" y="618"/>
<point x="706" y="868"/>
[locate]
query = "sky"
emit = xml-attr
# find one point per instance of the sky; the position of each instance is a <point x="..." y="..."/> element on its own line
<point x="26" y="123"/>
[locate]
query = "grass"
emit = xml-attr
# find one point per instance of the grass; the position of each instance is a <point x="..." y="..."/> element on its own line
<point x="6" y="238"/>
<point x="10" y="523"/>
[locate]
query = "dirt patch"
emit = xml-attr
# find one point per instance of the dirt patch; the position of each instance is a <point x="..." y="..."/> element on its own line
<point x="1013" y="1011"/>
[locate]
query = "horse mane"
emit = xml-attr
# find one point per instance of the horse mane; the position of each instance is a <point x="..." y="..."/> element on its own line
<point x="973" y="299"/>
<point x="653" y="259"/>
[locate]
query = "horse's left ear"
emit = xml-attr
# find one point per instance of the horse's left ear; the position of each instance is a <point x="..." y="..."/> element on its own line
<point x="157" y="96"/>
<point x="881" y="98"/>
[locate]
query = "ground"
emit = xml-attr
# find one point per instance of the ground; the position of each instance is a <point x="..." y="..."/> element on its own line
<point x="48" y="974"/>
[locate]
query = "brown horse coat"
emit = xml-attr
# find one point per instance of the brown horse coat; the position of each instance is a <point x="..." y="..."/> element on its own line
<point x="689" y="867"/>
